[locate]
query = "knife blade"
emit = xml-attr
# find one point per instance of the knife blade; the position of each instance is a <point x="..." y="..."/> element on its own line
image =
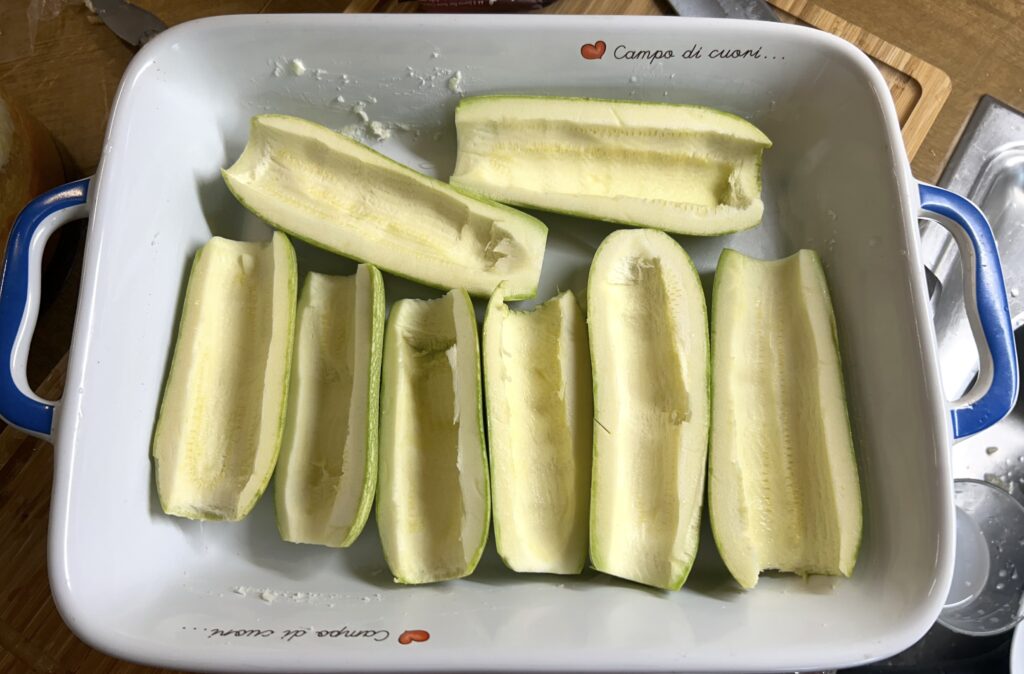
<point x="129" y="22"/>
<point x="758" y="10"/>
<point x="754" y="10"/>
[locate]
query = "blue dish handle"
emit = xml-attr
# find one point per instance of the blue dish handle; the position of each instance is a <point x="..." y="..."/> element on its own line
<point x="994" y="393"/>
<point x="19" y="301"/>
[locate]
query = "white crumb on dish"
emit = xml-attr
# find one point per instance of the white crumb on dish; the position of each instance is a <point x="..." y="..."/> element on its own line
<point x="380" y="130"/>
<point x="319" y="73"/>
<point x="278" y="69"/>
<point x="268" y="596"/>
<point x="435" y="54"/>
<point x="359" y="110"/>
<point x="340" y="99"/>
<point x="298" y="67"/>
<point x="354" y="131"/>
<point x="455" y="82"/>
<point x="632" y="78"/>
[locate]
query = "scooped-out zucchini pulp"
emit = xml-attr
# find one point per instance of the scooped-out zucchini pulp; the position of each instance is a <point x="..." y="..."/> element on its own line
<point x="539" y="401"/>
<point x="327" y="472"/>
<point x="649" y="346"/>
<point x="223" y="409"/>
<point x="680" y="168"/>
<point x="783" y="486"/>
<point x="433" y="494"/>
<point x="338" y="194"/>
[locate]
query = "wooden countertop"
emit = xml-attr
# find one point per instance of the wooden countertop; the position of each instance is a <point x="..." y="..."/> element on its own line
<point x="68" y="82"/>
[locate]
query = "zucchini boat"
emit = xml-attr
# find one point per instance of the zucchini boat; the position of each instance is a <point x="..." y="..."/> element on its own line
<point x="433" y="496"/>
<point x="539" y="425"/>
<point x="783" y="487"/>
<point x="649" y="347"/>
<point x="222" y="415"/>
<point x="336" y="193"/>
<point x="327" y="472"/>
<point x="681" y="168"/>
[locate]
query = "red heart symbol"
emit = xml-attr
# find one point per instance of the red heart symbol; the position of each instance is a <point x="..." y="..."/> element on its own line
<point x="593" y="51"/>
<point x="409" y="636"/>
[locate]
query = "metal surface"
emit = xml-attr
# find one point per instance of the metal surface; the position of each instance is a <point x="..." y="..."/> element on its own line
<point x="988" y="168"/>
<point x="129" y="22"/>
<point x="757" y="10"/>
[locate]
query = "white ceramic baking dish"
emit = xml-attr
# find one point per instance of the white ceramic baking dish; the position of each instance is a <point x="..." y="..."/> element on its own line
<point x="151" y="588"/>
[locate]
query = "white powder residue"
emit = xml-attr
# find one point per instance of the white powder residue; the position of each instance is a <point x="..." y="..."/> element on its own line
<point x="435" y="54"/>
<point x="269" y="595"/>
<point x="356" y="131"/>
<point x="319" y="73"/>
<point x="298" y="67"/>
<point x="340" y="99"/>
<point x="278" y="69"/>
<point x="359" y="110"/>
<point x="1014" y="292"/>
<point x="371" y="99"/>
<point x="455" y="82"/>
<point x="380" y="130"/>
<point x="632" y="78"/>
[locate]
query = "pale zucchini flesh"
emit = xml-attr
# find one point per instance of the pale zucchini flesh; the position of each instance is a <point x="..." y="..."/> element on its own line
<point x="338" y="194"/>
<point x="783" y="487"/>
<point x="681" y="168"/>
<point x="327" y="472"/>
<point x="221" y="418"/>
<point x="539" y="401"/>
<point x="433" y="495"/>
<point x="649" y="346"/>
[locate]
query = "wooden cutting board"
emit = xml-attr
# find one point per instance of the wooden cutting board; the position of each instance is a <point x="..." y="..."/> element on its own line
<point x="32" y="635"/>
<point x="918" y="88"/>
